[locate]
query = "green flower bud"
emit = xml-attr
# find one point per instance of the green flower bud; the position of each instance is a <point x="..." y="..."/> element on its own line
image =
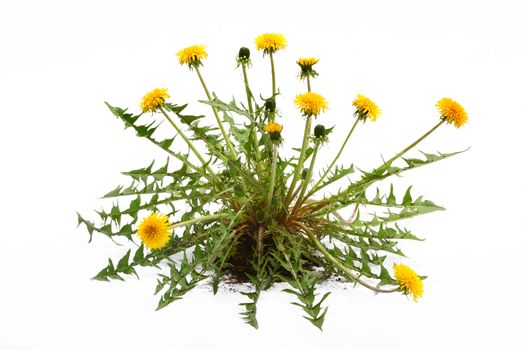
<point x="270" y="105"/>
<point x="244" y="53"/>
<point x="319" y="131"/>
<point x="304" y="173"/>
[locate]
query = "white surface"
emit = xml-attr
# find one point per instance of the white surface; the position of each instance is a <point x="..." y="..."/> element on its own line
<point x="61" y="149"/>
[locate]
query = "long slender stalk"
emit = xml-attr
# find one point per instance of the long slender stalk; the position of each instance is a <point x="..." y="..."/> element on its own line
<point x="255" y="142"/>
<point x="221" y="125"/>
<point x="340" y="265"/>
<point x="306" y="136"/>
<point x="308" y="84"/>
<point x="249" y="96"/>
<point x="272" y="177"/>
<point x="188" y="142"/>
<point x="322" y="203"/>
<point x="306" y="181"/>
<point x="300" y="162"/>
<point x="413" y="144"/>
<point x="312" y="191"/>
<point x="201" y="219"/>
<point x="274" y="87"/>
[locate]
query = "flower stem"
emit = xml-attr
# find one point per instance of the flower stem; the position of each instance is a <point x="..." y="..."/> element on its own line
<point x="249" y="95"/>
<point x="340" y="265"/>
<point x="312" y="191"/>
<point x="307" y="179"/>
<point x="255" y="142"/>
<point x="188" y="142"/>
<point x="385" y="165"/>
<point x="308" y="84"/>
<point x="306" y="136"/>
<point x="201" y="219"/>
<point x="221" y="126"/>
<point x="300" y="162"/>
<point x="413" y="144"/>
<point x="274" y="88"/>
<point x="272" y="177"/>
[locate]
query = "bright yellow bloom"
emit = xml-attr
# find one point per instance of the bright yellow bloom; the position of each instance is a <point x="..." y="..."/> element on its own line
<point x="153" y="100"/>
<point x="311" y="103"/>
<point x="452" y="112"/>
<point x="366" y="108"/>
<point x="270" y="42"/>
<point x="192" y="55"/>
<point x="408" y="280"/>
<point x="273" y="128"/>
<point x="154" y="231"/>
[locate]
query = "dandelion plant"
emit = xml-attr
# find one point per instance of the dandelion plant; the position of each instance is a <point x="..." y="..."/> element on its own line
<point x="227" y="207"/>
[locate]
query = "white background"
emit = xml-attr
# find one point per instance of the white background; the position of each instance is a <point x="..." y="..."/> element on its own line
<point x="61" y="149"/>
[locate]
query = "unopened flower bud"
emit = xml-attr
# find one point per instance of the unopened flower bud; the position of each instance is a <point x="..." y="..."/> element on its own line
<point x="304" y="173"/>
<point x="244" y="53"/>
<point x="270" y="105"/>
<point x="319" y="131"/>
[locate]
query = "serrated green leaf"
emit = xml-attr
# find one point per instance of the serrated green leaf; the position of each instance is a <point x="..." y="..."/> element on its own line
<point x="407" y="198"/>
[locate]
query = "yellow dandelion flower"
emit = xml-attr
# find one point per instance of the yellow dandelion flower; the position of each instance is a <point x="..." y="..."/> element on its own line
<point x="192" y="55"/>
<point x="306" y="65"/>
<point x="311" y="103"/>
<point x="452" y="112"/>
<point x="270" y="42"/>
<point x="307" y="62"/>
<point x="366" y="108"/>
<point x="155" y="231"/>
<point x="408" y="280"/>
<point x="153" y="100"/>
<point x="273" y="128"/>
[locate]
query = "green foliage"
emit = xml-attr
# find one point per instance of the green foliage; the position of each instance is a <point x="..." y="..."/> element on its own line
<point x="241" y="212"/>
<point x="249" y="315"/>
<point x="123" y="267"/>
<point x="335" y="175"/>
<point x="180" y="280"/>
<point x="302" y="281"/>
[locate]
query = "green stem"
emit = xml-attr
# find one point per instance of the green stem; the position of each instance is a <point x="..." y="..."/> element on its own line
<point x="300" y="162"/>
<point x="309" y="87"/>
<point x="255" y="142"/>
<point x="274" y="88"/>
<point x="249" y="95"/>
<point x="306" y="181"/>
<point x="413" y="144"/>
<point x="272" y="177"/>
<point x="314" y="188"/>
<point x="221" y="126"/>
<point x="308" y="83"/>
<point x="201" y="219"/>
<point x="188" y="142"/>
<point x="386" y="164"/>
<point x="338" y="263"/>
